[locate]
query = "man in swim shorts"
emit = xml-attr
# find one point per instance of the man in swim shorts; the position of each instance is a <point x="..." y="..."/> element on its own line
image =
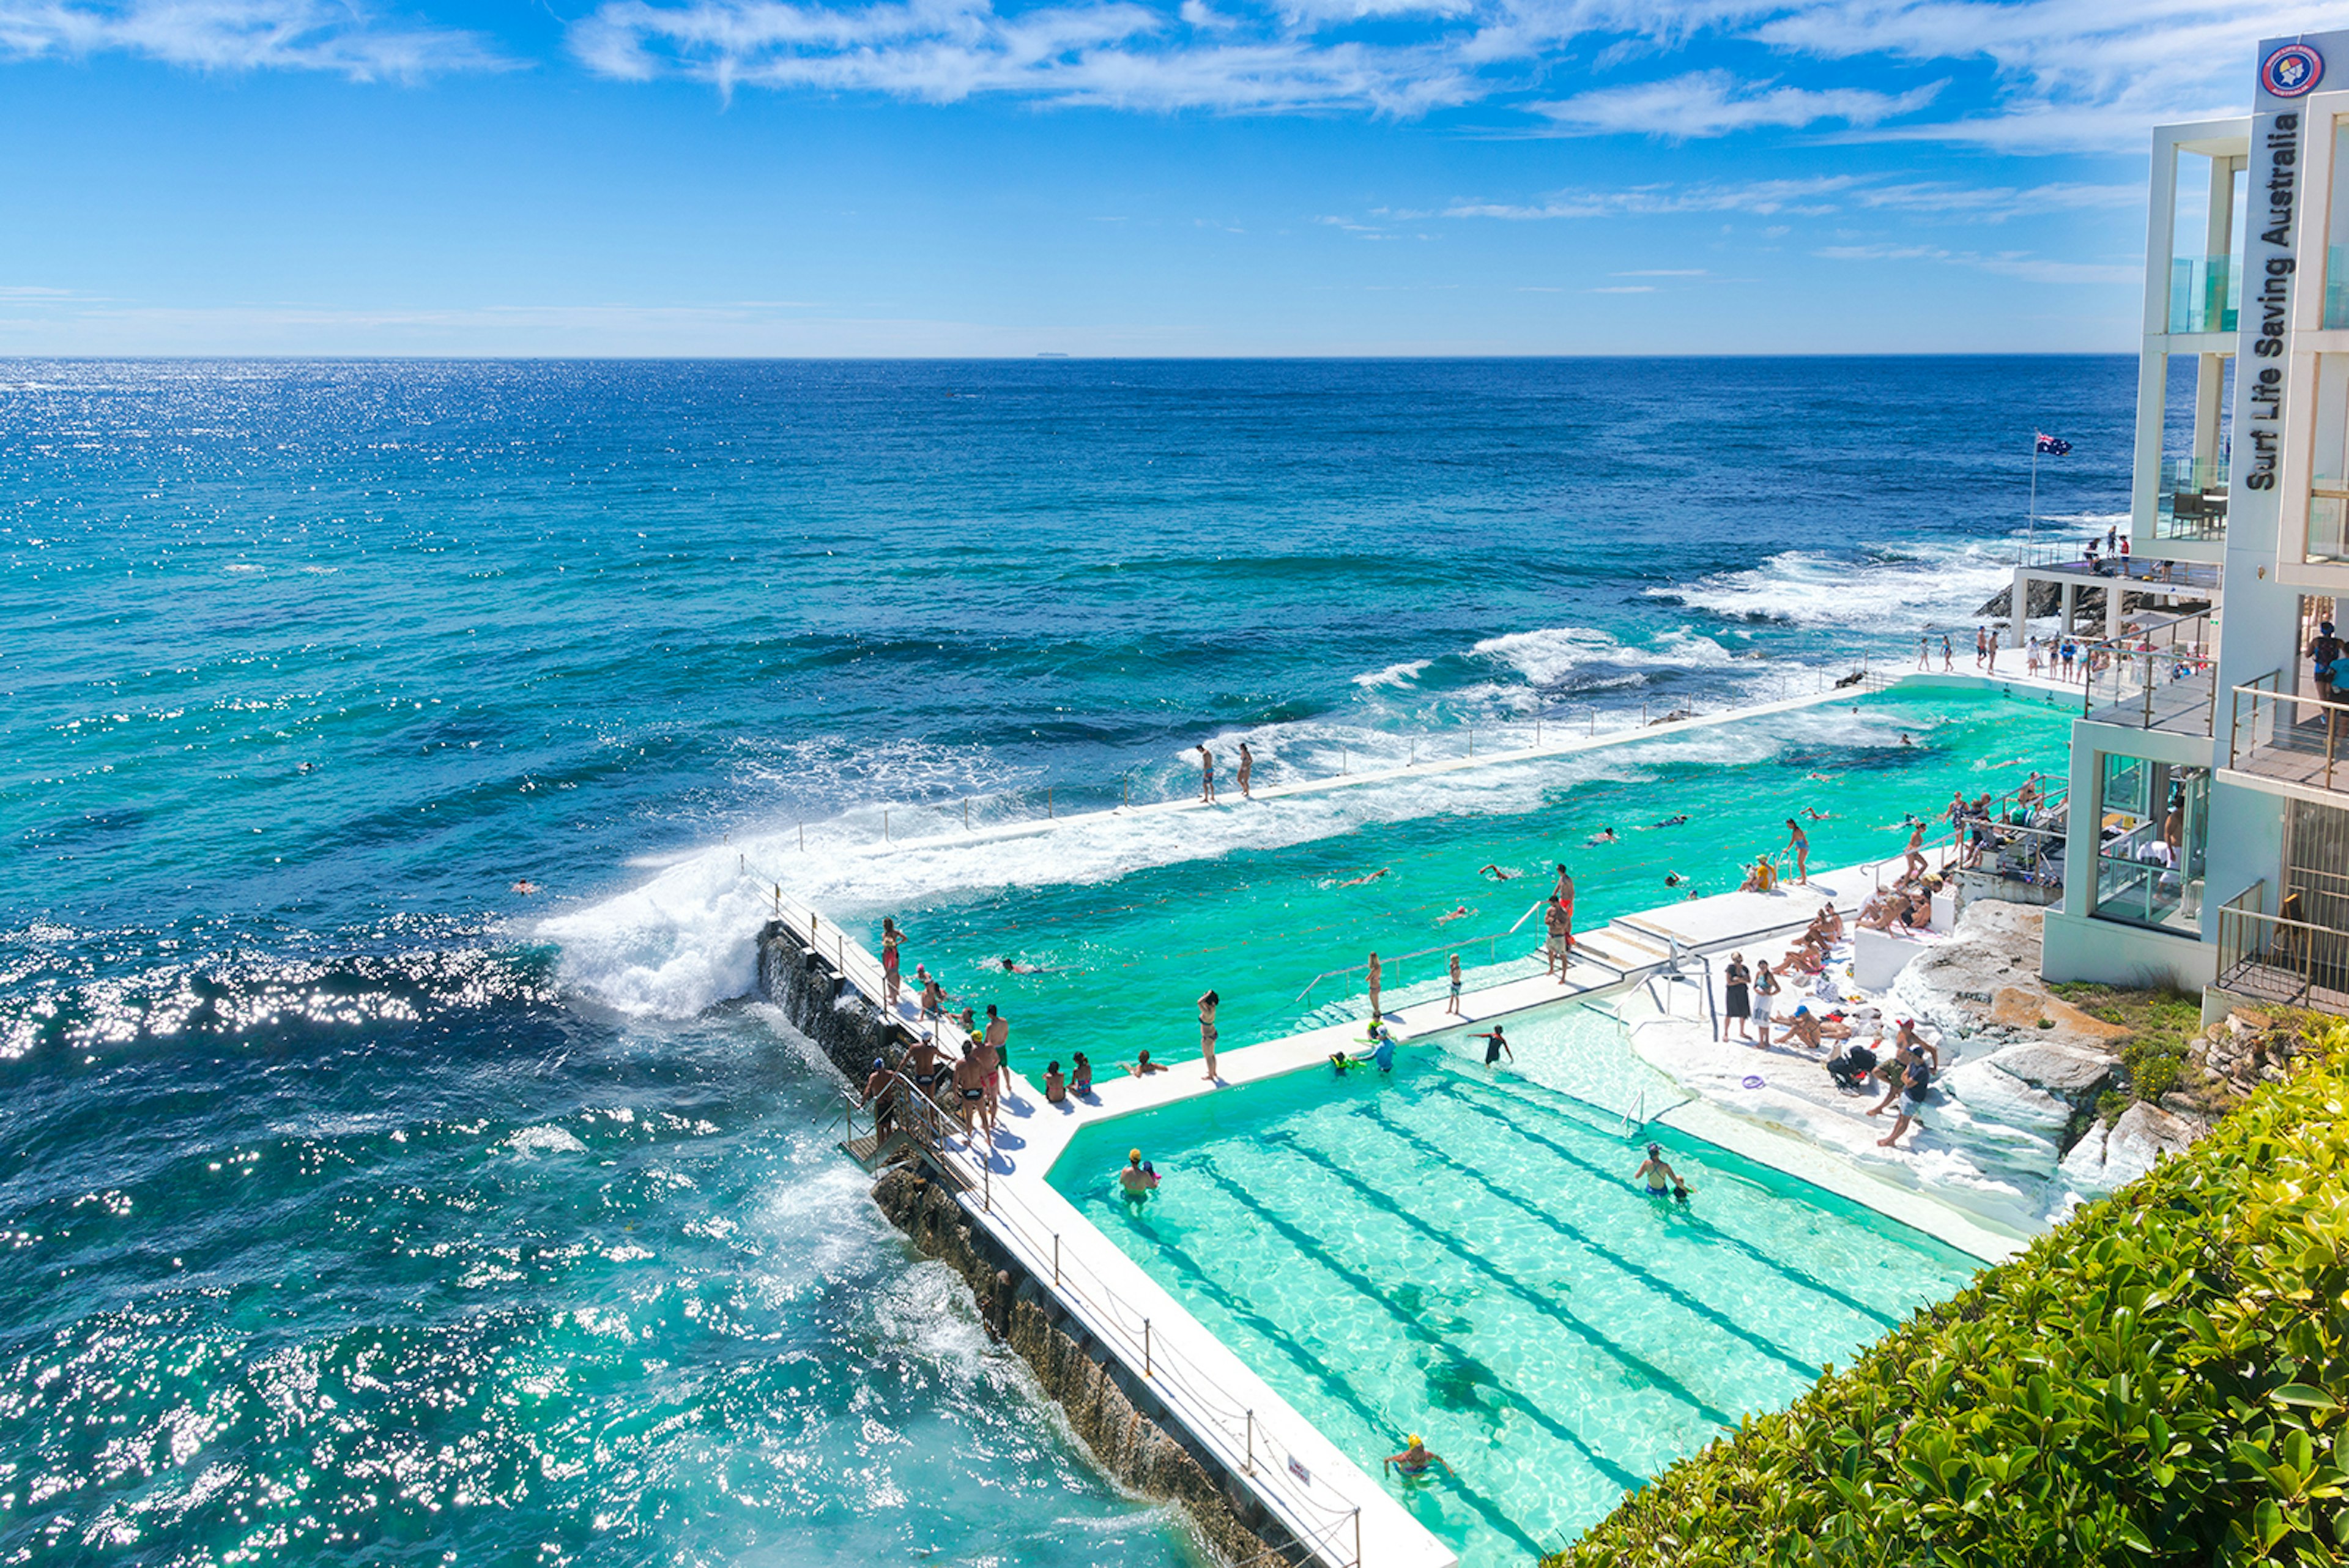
<point x="1206" y="774"/>
<point x="1453" y="1007"/>
<point x="1137" y="1179"/>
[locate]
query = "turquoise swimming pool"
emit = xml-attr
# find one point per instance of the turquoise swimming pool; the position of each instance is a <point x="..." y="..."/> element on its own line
<point x="1463" y="1253"/>
<point x="1277" y="893"/>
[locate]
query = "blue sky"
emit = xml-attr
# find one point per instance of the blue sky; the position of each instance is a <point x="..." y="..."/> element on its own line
<point x="1092" y="176"/>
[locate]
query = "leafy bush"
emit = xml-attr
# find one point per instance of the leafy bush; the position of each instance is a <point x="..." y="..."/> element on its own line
<point x="2160" y="1381"/>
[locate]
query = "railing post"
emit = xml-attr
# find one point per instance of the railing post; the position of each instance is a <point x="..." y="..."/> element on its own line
<point x="1247" y="1465"/>
<point x="1358" y="1538"/>
<point x="1146" y="1371"/>
<point x="1056" y="1258"/>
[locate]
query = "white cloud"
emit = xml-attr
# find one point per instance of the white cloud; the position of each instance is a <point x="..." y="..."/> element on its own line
<point x="1817" y="197"/>
<point x="241" y="35"/>
<point x="1714" y="103"/>
<point x="2007" y="263"/>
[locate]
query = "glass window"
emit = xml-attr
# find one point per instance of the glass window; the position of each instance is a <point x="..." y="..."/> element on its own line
<point x="2151" y="822"/>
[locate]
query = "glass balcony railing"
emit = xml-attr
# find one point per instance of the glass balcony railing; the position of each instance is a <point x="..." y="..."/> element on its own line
<point x="2205" y="294"/>
<point x="2192" y="504"/>
<point x="2328" y="518"/>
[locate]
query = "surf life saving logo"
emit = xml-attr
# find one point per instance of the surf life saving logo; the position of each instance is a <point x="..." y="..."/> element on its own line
<point x="2292" y="71"/>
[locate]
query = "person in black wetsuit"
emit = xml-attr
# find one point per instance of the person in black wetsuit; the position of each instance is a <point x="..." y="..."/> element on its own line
<point x="1496" y="1045"/>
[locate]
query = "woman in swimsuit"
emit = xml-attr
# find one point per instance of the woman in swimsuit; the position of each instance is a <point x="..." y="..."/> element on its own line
<point x="1415" y="1457"/>
<point x="892" y="939"/>
<point x="1207" y="1005"/>
<point x="1081" y="1085"/>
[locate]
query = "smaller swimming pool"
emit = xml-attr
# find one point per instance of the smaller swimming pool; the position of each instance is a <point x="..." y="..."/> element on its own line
<point x="1461" y="1252"/>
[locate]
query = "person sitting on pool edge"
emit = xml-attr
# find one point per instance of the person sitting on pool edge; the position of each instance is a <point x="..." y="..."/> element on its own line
<point x="1137" y="1179"/>
<point x="1056" y="1088"/>
<point x="1415" y="1457"/>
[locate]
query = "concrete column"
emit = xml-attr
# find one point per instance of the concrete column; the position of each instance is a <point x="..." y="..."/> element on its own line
<point x="2018" y="608"/>
<point x="2071" y="592"/>
<point x="2114" y="599"/>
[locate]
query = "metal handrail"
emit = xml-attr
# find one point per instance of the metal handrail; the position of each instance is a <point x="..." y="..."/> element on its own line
<point x="1386" y="958"/>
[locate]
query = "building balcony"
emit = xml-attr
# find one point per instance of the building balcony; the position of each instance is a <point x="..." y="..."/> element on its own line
<point x="2286" y="958"/>
<point x="2284" y="738"/>
<point x="2206" y="293"/>
<point x="2192" y="501"/>
<point x="2328" y="517"/>
<point x="2159" y="676"/>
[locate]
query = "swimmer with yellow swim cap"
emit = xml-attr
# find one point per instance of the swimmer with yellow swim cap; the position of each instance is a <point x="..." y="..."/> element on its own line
<point x="1137" y="1177"/>
<point x="1415" y="1457"/>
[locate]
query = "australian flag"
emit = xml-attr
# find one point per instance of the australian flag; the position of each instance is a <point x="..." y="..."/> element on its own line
<point x="2053" y="446"/>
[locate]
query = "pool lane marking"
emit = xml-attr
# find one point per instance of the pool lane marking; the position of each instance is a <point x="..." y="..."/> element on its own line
<point x="1286" y="1342"/>
<point x="1369" y="1290"/>
<point x="1660" y="1286"/>
<point x="1461" y="1093"/>
<point x="1657" y="1377"/>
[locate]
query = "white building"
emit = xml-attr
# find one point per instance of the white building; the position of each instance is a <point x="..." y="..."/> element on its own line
<point x="2209" y="783"/>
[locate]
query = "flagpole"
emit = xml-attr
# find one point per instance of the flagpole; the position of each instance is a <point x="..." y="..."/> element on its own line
<point x="2031" y="527"/>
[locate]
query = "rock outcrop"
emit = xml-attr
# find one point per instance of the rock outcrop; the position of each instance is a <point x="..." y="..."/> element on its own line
<point x="2107" y="1157"/>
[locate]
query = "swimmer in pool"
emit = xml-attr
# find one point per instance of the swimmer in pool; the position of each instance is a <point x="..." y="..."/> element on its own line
<point x="1014" y="966"/>
<point x="1814" y="814"/>
<point x="1659" y="1175"/>
<point x="1358" y="881"/>
<point x="525" y="886"/>
<point x="1496" y="1046"/>
<point x="1137" y="1179"/>
<point x="1461" y="913"/>
<point x="1415" y="1457"/>
<point x="1494" y="872"/>
<point x="1672" y="821"/>
<point x="1605" y="835"/>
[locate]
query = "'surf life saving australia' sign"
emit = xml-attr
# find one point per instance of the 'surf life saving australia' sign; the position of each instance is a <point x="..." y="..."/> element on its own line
<point x="2289" y="71"/>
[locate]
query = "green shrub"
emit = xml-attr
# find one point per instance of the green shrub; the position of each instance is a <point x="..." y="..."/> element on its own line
<point x="2160" y="1381"/>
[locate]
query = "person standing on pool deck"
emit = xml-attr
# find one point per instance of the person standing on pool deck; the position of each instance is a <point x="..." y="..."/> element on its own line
<point x="1496" y="1046"/>
<point x="1734" y="1001"/>
<point x="1206" y="774"/>
<point x="1766" y="996"/>
<point x="998" y="1042"/>
<point x="1248" y="770"/>
<point x="1800" y="843"/>
<point x="892" y="939"/>
<point x="1454" y="1008"/>
<point x="1207" y="1005"/>
<point x="1374" y="987"/>
<point x="1915" y="854"/>
<point x="1554" y="944"/>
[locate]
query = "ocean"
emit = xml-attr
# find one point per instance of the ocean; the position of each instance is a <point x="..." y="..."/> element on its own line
<point x="392" y="1164"/>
